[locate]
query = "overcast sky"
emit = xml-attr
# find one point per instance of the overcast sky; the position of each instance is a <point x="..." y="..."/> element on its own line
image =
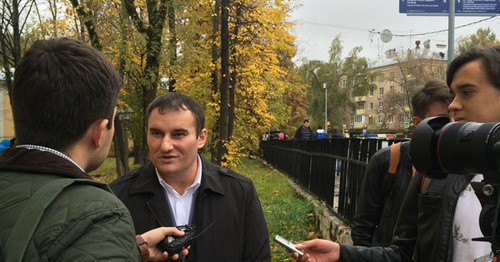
<point x="319" y="21"/>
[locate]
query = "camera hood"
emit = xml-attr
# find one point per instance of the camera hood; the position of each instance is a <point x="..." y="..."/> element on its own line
<point x="424" y="143"/>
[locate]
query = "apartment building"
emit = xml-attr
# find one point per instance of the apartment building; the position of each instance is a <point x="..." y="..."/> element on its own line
<point x="386" y="108"/>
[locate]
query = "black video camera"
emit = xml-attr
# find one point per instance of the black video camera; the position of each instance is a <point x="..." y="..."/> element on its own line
<point x="439" y="147"/>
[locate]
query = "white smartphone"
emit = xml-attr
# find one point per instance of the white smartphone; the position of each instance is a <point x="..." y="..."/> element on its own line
<point x="287" y="244"/>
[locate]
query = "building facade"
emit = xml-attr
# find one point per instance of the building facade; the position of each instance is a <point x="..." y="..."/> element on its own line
<point x="387" y="107"/>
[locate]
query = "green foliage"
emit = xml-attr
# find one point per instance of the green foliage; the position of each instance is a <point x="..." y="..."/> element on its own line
<point x="316" y="73"/>
<point x="482" y="37"/>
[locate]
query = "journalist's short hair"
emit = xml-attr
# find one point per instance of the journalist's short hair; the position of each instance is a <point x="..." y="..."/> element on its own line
<point x="489" y="58"/>
<point x="434" y="90"/>
<point x="174" y="101"/>
<point x="61" y="86"/>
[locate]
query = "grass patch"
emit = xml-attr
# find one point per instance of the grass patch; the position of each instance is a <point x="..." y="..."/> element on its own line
<point x="287" y="213"/>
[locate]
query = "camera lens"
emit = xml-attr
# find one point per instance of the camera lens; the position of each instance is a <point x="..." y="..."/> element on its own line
<point x="465" y="148"/>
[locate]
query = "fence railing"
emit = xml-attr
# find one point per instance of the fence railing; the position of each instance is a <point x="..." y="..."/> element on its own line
<point x="331" y="169"/>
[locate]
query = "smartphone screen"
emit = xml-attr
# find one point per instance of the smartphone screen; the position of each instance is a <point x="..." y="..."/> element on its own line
<point x="287" y="244"/>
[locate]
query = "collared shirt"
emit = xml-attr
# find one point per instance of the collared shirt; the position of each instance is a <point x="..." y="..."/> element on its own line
<point x="181" y="205"/>
<point x="50" y="150"/>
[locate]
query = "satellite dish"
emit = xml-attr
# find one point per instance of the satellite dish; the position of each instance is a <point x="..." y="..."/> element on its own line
<point x="386" y="36"/>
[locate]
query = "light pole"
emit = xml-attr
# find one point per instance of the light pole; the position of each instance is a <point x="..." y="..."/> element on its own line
<point x="326" y="106"/>
<point x="125" y="115"/>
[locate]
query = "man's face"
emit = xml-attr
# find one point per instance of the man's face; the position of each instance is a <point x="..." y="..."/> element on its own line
<point x="476" y="98"/>
<point x="306" y="124"/>
<point x="173" y="144"/>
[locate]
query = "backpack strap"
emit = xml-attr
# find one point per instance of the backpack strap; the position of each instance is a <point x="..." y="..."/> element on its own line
<point x="32" y="213"/>
<point x="394" y="158"/>
<point x="424" y="184"/>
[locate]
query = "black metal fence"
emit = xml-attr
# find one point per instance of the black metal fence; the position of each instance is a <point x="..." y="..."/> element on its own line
<point x="330" y="169"/>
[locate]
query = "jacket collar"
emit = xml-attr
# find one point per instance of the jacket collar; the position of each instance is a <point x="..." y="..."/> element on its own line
<point x="21" y="159"/>
<point x="148" y="182"/>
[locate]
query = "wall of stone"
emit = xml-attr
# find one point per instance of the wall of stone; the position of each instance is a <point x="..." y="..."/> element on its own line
<point x="330" y="226"/>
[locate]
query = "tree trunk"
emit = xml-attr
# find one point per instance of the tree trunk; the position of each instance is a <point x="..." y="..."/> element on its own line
<point x="157" y="12"/>
<point x="172" y="45"/>
<point x="234" y="75"/>
<point x="224" y="86"/>
<point x="87" y="19"/>
<point x="120" y="139"/>
<point x="5" y="60"/>
<point x="215" y="76"/>
<point x="120" y="148"/>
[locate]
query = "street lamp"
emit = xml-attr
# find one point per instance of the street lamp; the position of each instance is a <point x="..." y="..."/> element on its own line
<point x="125" y="115"/>
<point x="326" y="106"/>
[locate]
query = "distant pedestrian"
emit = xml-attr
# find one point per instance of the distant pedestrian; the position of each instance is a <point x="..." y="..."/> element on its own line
<point x="336" y="132"/>
<point x="320" y="132"/>
<point x="304" y="132"/>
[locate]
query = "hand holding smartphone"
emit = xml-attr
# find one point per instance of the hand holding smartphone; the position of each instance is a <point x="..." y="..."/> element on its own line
<point x="287" y="244"/>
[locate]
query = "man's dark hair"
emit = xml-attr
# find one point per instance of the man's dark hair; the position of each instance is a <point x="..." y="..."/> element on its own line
<point x="174" y="101"/>
<point x="489" y="58"/>
<point x="61" y="86"/>
<point x="433" y="90"/>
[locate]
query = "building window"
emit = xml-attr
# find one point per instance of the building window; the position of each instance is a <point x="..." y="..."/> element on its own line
<point x="370" y="93"/>
<point x="392" y="75"/>
<point x="401" y="89"/>
<point x="381" y="90"/>
<point x="359" y="118"/>
<point x="370" y="106"/>
<point x="381" y="77"/>
<point x="391" y="89"/>
<point x="343" y="120"/>
<point x="361" y="105"/>
<point x="352" y="120"/>
<point x="352" y="95"/>
<point x="390" y="119"/>
<point x="380" y="105"/>
<point x="401" y="117"/>
<point x="343" y="109"/>
<point x="380" y="119"/>
<point x="344" y="83"/>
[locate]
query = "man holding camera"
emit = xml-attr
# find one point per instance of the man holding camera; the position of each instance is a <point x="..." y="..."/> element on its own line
<point x="389" y="172"/>
<point x="438" y="218"/>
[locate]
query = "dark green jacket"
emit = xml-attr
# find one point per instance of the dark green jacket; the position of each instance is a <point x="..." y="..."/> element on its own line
<point x="84" y="223"/>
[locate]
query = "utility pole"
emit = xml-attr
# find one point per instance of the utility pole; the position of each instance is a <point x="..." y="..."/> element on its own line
<point x="451" y="30"/>
<point x="326" y="106"/>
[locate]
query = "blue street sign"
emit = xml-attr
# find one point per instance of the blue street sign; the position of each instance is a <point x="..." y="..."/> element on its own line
<point x="440" y="7"/>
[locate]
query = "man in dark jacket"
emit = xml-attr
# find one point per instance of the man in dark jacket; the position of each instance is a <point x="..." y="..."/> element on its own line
<point x="179" y="187"/>
<point x="63" y="102"/>
<point x="304" y="132"/>
<point x="438" y="218"/>
<point x="383" y="189"/>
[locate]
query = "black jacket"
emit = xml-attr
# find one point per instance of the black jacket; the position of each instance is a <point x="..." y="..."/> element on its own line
<point x="240" y="231"/>
<point x="304" y="133"/>
<point x="380" y="198"/>
<point x="425" y="224"/>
